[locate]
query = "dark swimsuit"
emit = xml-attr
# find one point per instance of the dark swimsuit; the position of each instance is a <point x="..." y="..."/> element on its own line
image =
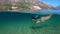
<point x="33" y="17"/>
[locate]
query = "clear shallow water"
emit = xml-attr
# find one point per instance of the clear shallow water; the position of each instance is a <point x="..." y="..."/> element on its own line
<point x="21" y="23"/>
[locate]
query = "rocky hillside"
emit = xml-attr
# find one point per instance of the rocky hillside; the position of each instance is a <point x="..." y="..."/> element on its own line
<point x="27" y="4"/>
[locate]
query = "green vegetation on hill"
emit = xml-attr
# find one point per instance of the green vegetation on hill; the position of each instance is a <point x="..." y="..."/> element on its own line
<point x="23" y="6"/>
<point x="8" y="6"/>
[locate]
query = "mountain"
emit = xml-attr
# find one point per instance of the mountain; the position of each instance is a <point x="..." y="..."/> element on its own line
<point x="58" y="7"/>
<point x="26" y="4"/>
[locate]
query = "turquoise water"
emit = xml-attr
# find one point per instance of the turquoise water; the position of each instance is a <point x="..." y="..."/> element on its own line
<point x="21" y="23"/>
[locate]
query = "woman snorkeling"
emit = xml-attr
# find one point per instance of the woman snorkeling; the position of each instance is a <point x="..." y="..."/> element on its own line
<point x="38" y="18"/>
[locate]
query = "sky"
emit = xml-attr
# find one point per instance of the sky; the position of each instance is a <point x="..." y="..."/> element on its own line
<point x="52" y="2"/>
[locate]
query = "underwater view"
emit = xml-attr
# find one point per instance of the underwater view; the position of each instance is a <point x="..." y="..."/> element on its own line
<point x="21" y="23"/>
<point x="29" y="16"/>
